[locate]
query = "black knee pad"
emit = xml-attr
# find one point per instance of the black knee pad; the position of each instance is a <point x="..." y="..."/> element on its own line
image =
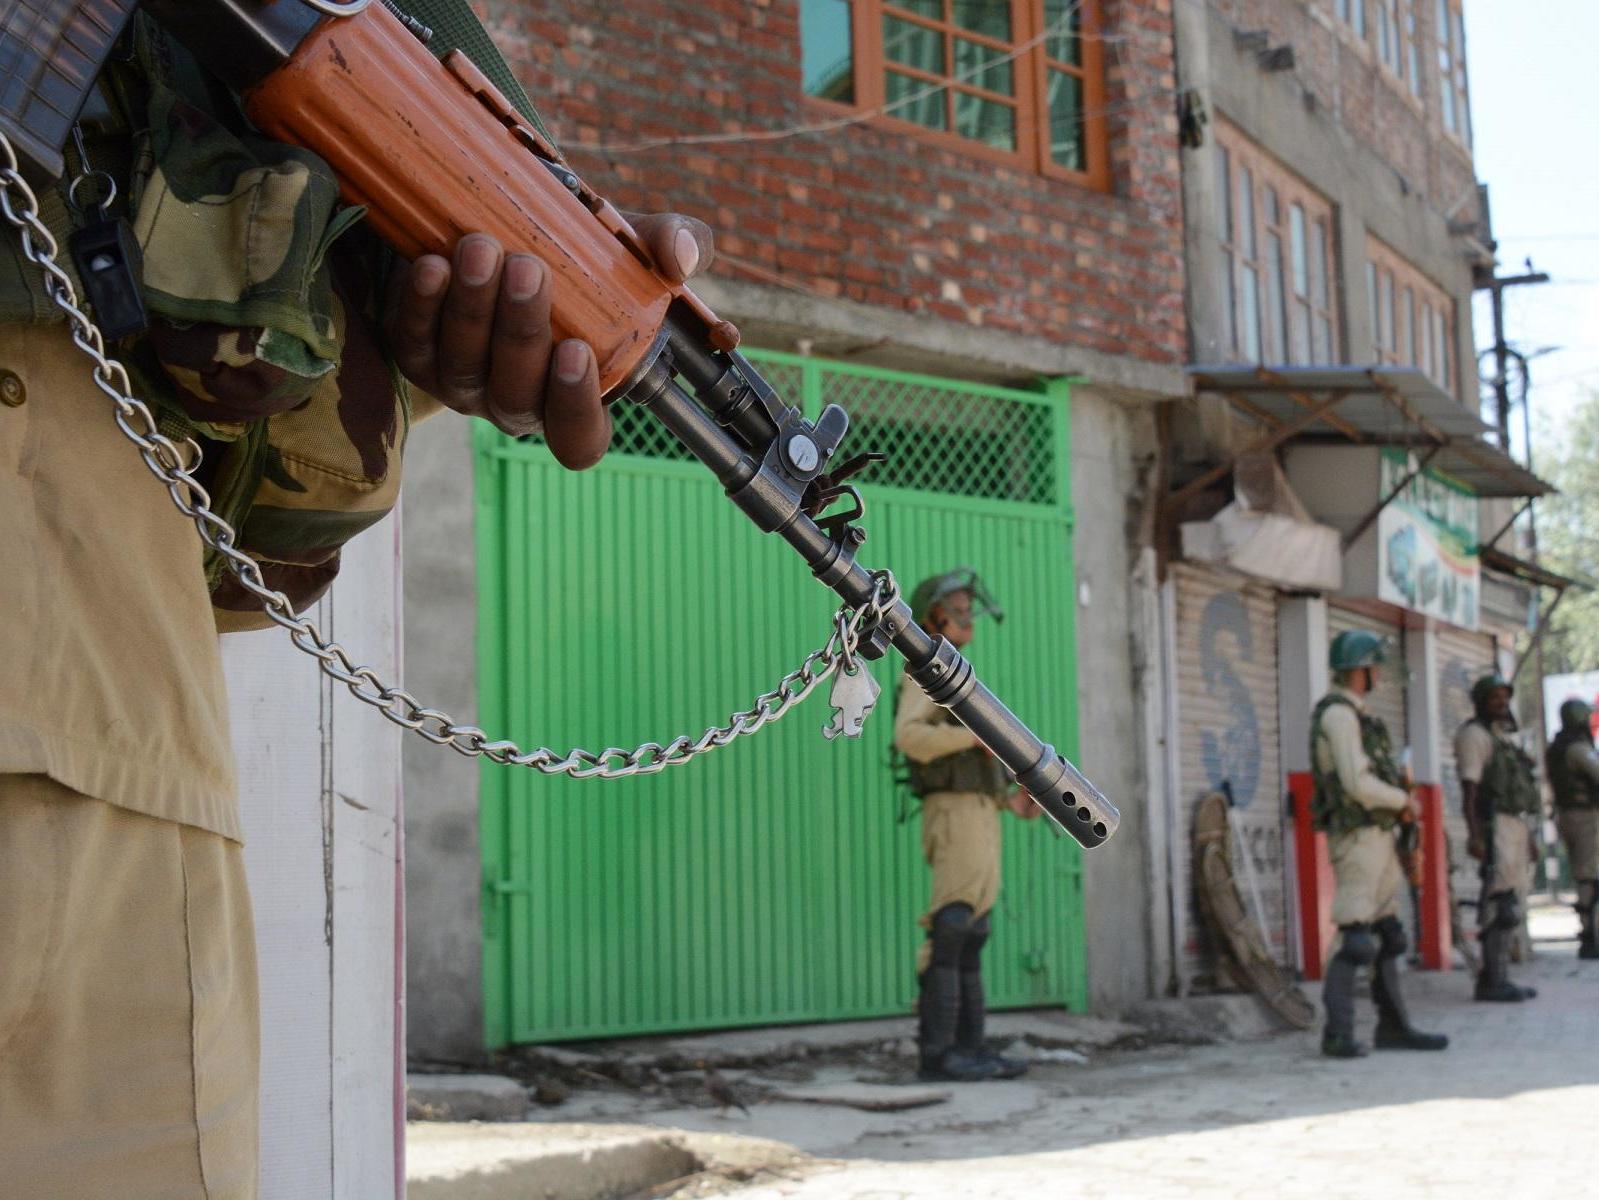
<point x="1506" y="911"/>
<point x="1391" y="933"/>
<point x="1357" y="946"/>
<point x="952" y="926"/>
<point x="972" y="951"/>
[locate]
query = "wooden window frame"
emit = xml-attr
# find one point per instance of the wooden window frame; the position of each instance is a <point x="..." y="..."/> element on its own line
<point x="1353" y="20"/>
<point x="1418" y="312"/>
<point x="1030" y="104"/>
<point x="1297" y="304"/>
<point x="1454" y="90"/>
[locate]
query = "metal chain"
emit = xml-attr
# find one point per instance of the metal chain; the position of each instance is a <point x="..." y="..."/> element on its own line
<point x="174" y="465"/>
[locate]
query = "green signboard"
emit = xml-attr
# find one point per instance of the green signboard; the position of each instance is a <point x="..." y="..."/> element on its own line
<point x="1427" y="543"/>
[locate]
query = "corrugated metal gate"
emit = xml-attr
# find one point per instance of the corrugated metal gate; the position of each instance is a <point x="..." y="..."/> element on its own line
<point x="770" y="881"/>
<point x="1227" y="710"/>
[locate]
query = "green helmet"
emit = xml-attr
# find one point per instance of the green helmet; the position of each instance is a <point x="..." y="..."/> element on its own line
<point x="1487" y="686"/>
<point x="1576" y="714"/>
<point x="962" y="579"/>
<point x="1356" y="648"/>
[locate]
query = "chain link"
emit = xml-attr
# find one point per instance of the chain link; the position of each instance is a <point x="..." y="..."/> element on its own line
<point x="174" y="464"/>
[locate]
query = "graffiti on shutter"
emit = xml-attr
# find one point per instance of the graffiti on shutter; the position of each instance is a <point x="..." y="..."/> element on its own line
<point x="1227" y="714"/>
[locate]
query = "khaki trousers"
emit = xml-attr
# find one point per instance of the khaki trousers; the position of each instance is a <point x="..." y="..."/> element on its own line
<point x="1512" y="857"/>
<point x="1579" y="829"/>
<point x="961" y="840"/>
<point x="1366" y="863"/>
<point x="129" y="1035"/>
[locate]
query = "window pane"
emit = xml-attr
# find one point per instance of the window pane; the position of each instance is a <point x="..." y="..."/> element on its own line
<point x="1063" y="23"/>
<point x="981" y="66"/>
<point x="1251" y="314"/>
<point x="1371" y="304"/>
<point x="826" y="50"/>
<point x="914" y="45"/>
<point x="922" y="8"/>
<point x="1246" y="211"/>
<point x="1226" y="194"/>
<point x="1385" y="318"/>
<point x="1296" y="233"/>
<point x="1067" y="146"/>
<point x="990" y="17"/>
<point x="1407" y="329"/>
<point x="1318" y="266"/>
<point x="1412" y="49"/>
<point x="1276" y="309"/>
<point x="1424" y="335"/>
<point x="928" y="107"/>
<point x="1324" y="347"/>
<point x="1463" y="109"/>
<point x="985" y="121"/>
<point x="1273" y="213"/>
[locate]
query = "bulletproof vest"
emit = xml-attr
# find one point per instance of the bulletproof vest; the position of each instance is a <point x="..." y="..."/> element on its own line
<point x="1331" y="810"/>
<point x="1508" y="782"/>
<point x="973" y="770"/>
<point x="1572" y="789"/>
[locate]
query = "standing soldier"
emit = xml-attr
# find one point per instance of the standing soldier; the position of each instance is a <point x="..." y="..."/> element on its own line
<point x="1360" y="800"/>
<point x="962" y="788"/>
<point x="1498" y="792"/>
<point x="1574" y="777"/>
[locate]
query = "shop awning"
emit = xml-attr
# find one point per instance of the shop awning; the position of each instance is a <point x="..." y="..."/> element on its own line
<point x="1533" y="573"/>
<point x="1369" y="406"/>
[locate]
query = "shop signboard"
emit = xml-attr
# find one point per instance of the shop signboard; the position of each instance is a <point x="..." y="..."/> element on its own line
<point x="1427" y="543"/>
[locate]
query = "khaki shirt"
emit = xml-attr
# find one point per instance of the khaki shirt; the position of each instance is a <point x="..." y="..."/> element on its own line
<point x="110" y="678"/>
<point x="1339" y="748"/>
<point x="918" y="733"/>
<point x="1474" y="746"/>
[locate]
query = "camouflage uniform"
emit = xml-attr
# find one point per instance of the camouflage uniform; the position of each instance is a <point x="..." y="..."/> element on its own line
<point x="128" y="992"/>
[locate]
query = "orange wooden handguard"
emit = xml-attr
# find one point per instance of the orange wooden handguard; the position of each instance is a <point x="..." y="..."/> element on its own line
<point x="435" y="151"/>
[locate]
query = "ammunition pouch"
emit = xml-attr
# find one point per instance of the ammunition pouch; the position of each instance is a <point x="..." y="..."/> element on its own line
<point x="1357" y="945"/>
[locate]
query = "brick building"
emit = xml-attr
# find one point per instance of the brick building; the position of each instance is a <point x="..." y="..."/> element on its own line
<point x="1068" y="264"/>
<point x="1329" y="471"/>
<point x="962" y="221"/>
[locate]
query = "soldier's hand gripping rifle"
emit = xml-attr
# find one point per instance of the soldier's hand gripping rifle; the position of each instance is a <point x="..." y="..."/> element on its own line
<point x="434" y="151"/>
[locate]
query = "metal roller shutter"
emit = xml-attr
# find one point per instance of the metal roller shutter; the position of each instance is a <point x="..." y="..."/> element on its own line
<point x="1227" y="713"/>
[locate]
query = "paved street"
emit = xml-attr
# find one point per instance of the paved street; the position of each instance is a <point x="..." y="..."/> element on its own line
<point x="1512" y="1109"/>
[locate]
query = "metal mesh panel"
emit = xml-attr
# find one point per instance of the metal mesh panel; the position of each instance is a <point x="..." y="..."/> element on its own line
<point x="943" y="440"/>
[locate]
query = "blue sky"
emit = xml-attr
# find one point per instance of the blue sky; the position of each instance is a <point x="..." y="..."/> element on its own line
<point x="1534" y="77"/>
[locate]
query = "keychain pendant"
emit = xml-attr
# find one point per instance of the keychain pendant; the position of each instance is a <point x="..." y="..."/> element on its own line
<point x="109" y="263"/>
<point x="853" y="698"/>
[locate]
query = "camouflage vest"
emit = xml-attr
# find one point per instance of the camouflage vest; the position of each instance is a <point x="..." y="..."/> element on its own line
<point x="1508" y="782"/>
<point x="1331" y="810"/>
<point x="973" y="770"/>
<point x="1572" y="789"/>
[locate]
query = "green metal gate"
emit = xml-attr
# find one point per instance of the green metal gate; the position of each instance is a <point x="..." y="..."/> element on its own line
<point x="770" y="881"/>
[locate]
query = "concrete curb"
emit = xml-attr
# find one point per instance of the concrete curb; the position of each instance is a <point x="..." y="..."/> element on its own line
<point x="540" y="1162"/>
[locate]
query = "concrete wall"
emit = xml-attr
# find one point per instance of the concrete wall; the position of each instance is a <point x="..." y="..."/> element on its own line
<point x="1352" y="132"/>
<point x="1111" y="443"/>
<point x="444" y="943"/>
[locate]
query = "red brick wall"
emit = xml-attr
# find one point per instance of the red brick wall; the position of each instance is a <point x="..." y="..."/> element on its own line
<point x="871" y="215"/>
<point x="1345" y="79"/>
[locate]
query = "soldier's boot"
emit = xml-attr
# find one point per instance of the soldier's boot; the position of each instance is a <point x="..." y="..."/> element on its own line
<point x="969" y="1029"/>
<point x="1493" y="983"/>
<point x="941" y="1058"/>
<point x="1394" y="1030"/>
<point x="1356" y="949"/>
<point x="1588" y="915"/>
<point x="939" y="1007"/>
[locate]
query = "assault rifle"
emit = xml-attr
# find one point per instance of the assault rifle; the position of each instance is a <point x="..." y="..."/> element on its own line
<point x="433" y="150"/>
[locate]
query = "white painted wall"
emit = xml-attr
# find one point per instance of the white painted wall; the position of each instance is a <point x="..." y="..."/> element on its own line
<point x="320" y="792"/>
